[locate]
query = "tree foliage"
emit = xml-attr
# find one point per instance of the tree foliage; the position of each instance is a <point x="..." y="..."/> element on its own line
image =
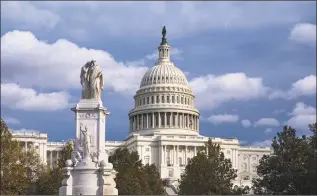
<point x="208" y="173"/>
<point x="50" y="180"/>
<point x="133" y="178"/>
<point x="19" y="169"/>
<point x="291" y="168"/>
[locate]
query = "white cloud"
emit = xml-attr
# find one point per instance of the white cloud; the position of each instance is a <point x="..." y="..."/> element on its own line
<point x="246" y="123"/>
<point x="25" y="14"/>
<point x="301" y="116"/>
<point x="32" y="62"/>
<point x="302" y="87"/>
<point x="305" y="86"/>
<point x="304" y="33"/>
<point x="223" y="118"/>
<point x="213" y="90"/>
<point x="265" y="143"/>
<point x="181" y="18"/>
<point x="266" y="122"/>
<point x="11" y="120"/>
<point x="13" y="96"/>
<point x="268" y="130"/>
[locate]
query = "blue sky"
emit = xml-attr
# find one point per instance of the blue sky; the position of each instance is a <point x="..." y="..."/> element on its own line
<point x="252" y="65"/>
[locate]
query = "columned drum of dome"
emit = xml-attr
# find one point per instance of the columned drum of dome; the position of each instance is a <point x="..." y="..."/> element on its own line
<point x="164" y="104"/>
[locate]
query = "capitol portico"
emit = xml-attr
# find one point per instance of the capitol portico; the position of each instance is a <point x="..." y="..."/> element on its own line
<point x="164" y="127"/>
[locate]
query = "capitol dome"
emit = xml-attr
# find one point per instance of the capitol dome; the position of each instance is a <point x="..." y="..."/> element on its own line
<point x="164" y="103"/>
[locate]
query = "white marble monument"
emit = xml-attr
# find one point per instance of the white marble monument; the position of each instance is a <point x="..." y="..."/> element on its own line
<point x="89" y="172"/>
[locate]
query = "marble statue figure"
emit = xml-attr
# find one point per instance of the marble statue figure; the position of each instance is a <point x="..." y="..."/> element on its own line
<point x="85" y="143"/>
<point x="91" y="79"/>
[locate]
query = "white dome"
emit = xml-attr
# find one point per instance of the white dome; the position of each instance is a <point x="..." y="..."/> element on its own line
<point x="164" y="73"/>
<point x="164" y="104"/>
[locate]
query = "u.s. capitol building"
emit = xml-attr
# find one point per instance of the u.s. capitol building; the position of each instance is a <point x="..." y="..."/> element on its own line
<point x="164" y="127"/>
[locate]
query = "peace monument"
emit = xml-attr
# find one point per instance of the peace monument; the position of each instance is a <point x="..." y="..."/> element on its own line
<point x="89" y="172"/>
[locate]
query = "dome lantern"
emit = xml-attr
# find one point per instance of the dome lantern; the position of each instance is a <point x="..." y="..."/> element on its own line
<point x="164" y="48"/>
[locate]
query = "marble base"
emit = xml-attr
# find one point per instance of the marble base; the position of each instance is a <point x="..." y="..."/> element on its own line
<point x="88" y="180"/>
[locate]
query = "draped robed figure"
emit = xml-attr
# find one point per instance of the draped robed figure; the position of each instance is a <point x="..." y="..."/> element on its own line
<point x="92" y="82"/>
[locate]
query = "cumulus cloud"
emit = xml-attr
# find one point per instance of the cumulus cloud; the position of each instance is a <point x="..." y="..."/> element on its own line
<point x="301" y="116"/>
<point x="33" y="62"/>
<point x="266" y="122"/>
<point x="27" y="15"/>
<point x="304" y="33"/>
<point x="16" y="97"/>
<point x="303" y="87"/>
<point x="265" y="143"/>
<point x="246" y="123"/>
<point x="223" y="118"/>
<point x="11" y="120"/>
<point x="212" y="90"/>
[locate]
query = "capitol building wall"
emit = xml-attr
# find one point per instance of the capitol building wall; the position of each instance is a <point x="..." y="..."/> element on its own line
<point x="164" y="128"/>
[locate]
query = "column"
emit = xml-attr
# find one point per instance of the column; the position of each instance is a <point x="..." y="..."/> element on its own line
<point x="165" y="120"/>
<point x="147" y="120"/>
<point x="183" y="121"/>
<point x="197" y="123"/>
<point x="26" y="146"/>
<point x="137" y="122"/>
<point x="176" y="120"/>
<point x="162" y="155"/>
<point x="195" y="153"/>
<point x="159" y="117"/>
<point x="174" y="155"/>
<point x="142" y="127"/>
<point x="177" y="155"/>
<point x="185" y="161"/>
<point x="45" y="153"/>
<point x="51" y="158"/>
<point x="171" y="119"/>
<point x="153" y="123"/>
<point x="57" y="156"/>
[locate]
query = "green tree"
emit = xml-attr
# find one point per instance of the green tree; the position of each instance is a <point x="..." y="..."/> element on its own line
<point x="208" y="173"/>
<point x="154" y="179"/>
<point x="291" y="168"/>
<point x="50" y="180"/>
<point x="19" y="169"/>
<point x="133" y="178"/>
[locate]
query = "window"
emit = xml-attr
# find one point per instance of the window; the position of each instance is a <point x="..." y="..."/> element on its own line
<point x="148" y="100"/>
<point x="163" y="99"/>
<point x="254" y="168"/>
<point x="157" y="99"/>
<point x="182" y="100"/>
<point x="244" y="167"/>
<point x="152" y="99"/>
<point x="147" y="149"/>
<point x="246" y="178"/>
<point x="170" y="173"/>
<point x="168" y="99"/>
<point x="228" y="151"/>
<point x="146" y="160"/>
<point x="168" y="161"/>
<point x="173" y="99"/>
<point x="180" y="161"/>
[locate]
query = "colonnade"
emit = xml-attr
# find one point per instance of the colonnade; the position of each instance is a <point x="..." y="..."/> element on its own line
<point x="52" y="161"/>
<point x="165" y="98"/>
<point x="164" y="120"/>
<point x="171" y="155"/>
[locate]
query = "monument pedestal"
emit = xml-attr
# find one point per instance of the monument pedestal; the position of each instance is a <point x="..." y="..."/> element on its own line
<point x="89" y="173"/>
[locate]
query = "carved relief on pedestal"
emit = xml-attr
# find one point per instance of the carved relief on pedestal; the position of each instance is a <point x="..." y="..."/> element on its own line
<point x="87" y="115"/>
